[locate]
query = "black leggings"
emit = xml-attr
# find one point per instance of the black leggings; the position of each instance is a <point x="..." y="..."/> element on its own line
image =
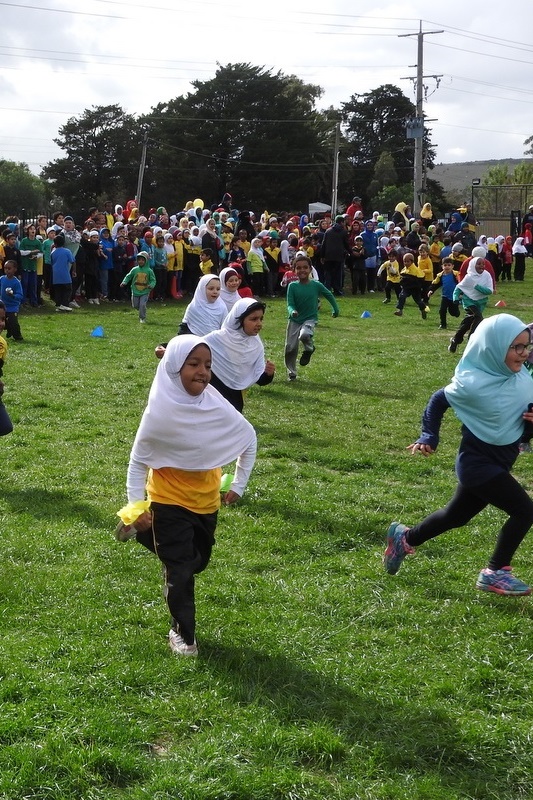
<point x="182" y="540"/>
<point x="503" y="492"/>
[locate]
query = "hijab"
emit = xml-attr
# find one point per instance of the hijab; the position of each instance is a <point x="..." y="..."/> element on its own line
<point x="257" y="250"/>
<point x="518" y="246"/>
<point x="229" y="298"/>
<point x="184" y="431"/>
<point x="237" y="359"/>
<point x="473" y="279"/>
<point x="487" y="396"/>
<point x="201" y="316"/>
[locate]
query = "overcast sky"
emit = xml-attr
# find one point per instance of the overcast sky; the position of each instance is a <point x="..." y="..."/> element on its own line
<point x="63" y="57"/>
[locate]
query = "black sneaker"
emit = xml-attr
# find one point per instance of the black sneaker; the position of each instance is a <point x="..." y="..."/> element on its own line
<point x="306" y="357"/>
<point x="452" y="347"/>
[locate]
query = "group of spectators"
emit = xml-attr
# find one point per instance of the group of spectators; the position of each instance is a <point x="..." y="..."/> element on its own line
<point x="194" y="241"/>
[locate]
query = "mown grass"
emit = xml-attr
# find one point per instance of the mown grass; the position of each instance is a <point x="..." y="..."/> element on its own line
<point x="319" y="677"/>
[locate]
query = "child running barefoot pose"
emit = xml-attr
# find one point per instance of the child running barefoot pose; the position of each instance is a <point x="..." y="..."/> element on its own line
<point x="206" y="311"/>
<point x="490" y="393"/>
<point x="187" y="432"/>
<point x="302" y="305"/>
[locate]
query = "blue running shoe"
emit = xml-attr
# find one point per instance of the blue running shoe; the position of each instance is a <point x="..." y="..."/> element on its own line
<point x="397" y="547"/>
<point x="501" y="581"/>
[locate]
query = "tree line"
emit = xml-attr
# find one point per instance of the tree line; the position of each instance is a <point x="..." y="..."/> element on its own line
<point x="250" y="131"/>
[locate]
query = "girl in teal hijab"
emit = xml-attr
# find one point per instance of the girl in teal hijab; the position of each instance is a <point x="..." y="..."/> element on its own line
<point x="491" y="393"/>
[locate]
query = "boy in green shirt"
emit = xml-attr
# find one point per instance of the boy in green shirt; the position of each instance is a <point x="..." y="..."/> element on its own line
<point x="302" y="306"/>
<point x="142" y="279"/>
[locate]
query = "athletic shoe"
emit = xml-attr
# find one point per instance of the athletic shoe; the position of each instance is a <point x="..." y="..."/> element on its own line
<point x="387" y="300"/>
<point x="452" y="347"/>
<point x="424" y="313"/>
<point x="397" y="547"/>
<point x="442" y="327"/>
<point x="398" y="313"/>
<point x="306" y="357"/>
<point x="65" y="308"/>
<point x="73" y="304"/>
<point x="501" y="581"/>
<point x="142" y="321"/>
<point x="124" y="533"/>
<point x="179" y="646"/>
<point x="292" y="376"/>
<point x="96" y="301"/>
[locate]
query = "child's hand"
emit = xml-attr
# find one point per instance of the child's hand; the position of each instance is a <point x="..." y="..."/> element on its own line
<point x="423" y="449"/>
<point x="528" y="416"/>
<point x="144" y="522"/>
<point x="230" y="497"/>
<point x="160" y="351"/>
<point x="270" y="367"/>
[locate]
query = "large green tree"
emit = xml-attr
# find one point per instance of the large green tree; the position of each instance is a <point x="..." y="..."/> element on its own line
<point x="374" y="124"/>
<point x="103" y="150"/>
<point x="247" y="131"/>
<point x="19" y="189"/>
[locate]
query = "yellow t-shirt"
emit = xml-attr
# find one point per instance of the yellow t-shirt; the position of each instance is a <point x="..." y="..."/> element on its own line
<point x="196" y="491"/>
<point x="3" y="348"/>
<point x="426" y="265"/>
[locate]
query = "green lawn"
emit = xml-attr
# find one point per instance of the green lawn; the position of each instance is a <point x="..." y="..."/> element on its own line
<point x="319" y="677"/>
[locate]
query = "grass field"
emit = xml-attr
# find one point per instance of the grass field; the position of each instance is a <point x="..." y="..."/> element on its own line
<point x="319" y="677"/>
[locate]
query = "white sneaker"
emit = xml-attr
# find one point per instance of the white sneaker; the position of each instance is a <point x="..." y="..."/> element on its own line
<point x="96" y="301"/>
<point x="73" y="304"/>
<point x="124" y="533"/>
<point x="65" y="308"/>
<point x="179" y="646"/>
<point x="142" y="321"/>
<point x="90" y="300"/>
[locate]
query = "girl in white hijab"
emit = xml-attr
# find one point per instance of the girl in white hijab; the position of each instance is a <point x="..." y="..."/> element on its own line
<point x="176" y="459"/>
<point x="206" y="311"/>
<point x="230" y="281"/>
<point x="238" y="355"/>
<point x="519" y="253"/>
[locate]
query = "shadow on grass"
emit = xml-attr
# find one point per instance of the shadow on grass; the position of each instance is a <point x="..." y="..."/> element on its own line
<point x="50" y="504"/>
<point x="404" y="736"/>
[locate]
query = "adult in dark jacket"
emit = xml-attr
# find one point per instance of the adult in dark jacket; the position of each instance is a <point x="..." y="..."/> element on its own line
<point x="333" y="251"/>
<point x="467" y="238"/>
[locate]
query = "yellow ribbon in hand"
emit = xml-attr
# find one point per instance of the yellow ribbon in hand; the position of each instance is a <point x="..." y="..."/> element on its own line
<point x="128" y="514"/>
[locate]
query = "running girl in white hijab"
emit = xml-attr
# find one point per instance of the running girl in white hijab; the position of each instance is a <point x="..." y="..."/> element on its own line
<point x="238" y="352"/>
<point x="206" y="311"/>
<point x="176" y="459"/>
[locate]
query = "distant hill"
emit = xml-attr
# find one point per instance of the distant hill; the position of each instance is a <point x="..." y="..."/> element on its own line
<point x="458" y="177"/>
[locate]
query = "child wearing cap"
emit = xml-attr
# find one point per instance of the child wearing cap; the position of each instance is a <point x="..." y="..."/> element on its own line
<point x="457" y="255"/>
<point x="142" y="280"/>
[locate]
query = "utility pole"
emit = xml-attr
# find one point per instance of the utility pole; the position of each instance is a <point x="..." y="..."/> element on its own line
<point x="417" y="128"/>
<point x="142" y="165"/>
<point x="335" y="186"/>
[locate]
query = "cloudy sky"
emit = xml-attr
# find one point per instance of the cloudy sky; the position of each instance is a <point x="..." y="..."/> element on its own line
<point x="60" y="57"/>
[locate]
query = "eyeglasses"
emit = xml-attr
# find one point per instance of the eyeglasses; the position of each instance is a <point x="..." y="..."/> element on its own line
<point x="521" y="349"/>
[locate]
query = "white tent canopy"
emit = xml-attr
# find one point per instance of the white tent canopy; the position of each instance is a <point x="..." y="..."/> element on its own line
<point x="318" y="208"/>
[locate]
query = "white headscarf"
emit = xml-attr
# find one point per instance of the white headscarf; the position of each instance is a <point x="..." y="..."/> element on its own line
<point x="257" y="249"/>
<point x="184" y="431"/>
<point x="237" y="359"/>
<point x="473" y="279"/>
<point x="229" y="298"/>
<point x="115" y="229"/>
<point x="518" y="246"/>
<point x="201" y="316"/>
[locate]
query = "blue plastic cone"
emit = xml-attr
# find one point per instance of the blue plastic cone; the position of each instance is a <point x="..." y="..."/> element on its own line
<point x="366" y="315"/>
<point x="98" y="331"/>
